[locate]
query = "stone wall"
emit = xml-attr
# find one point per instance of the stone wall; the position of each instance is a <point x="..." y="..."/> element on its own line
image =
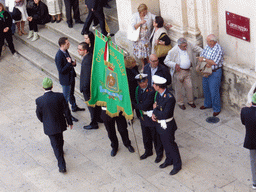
<point x="236" y="83"/>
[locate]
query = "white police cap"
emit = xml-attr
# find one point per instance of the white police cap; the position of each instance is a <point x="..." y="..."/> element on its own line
<point x="141" y="76"/>
<point x="158" y="80"/>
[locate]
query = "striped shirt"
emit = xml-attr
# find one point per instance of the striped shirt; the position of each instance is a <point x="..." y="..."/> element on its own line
<point x="215" y="54"/>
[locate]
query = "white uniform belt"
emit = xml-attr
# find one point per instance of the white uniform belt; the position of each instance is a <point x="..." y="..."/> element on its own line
<point x="166" y="120"/>
<point x="145" y="112"/>
<point x="104" y="108"/>
<point x="148" y="113"/>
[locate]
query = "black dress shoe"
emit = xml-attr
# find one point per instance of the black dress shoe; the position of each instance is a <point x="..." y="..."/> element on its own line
<point x="182" y="107"/>
<point x="63" y="170"/>
<point x="175" y="171"/>
<point x="70" y="25"/>
<point x="165" y="164"/>
<point x="145" y="155"/>
<point x="74" y="119"/>
<point x="131" y="149"/>
<point x="79" y="22"/>
<point x="91" y="127"/>
<point x="113" y="152"/>
<point x="57" y="21"/>
<point x="53" y="20"/>
<point x="158" y="159"/>
<point x="78" y="109"/>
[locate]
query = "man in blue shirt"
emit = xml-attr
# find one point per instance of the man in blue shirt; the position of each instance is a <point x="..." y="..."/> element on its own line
<point x="213" y="56"/>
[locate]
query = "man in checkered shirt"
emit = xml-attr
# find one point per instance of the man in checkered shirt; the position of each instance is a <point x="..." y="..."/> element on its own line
<point x="213" y="56"/>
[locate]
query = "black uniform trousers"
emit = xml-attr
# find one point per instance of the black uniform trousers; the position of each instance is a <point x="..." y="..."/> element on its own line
<point x="8" y="37"/>
<point x="170" y="146"/>
<point x="95" y="112"/>
<point x="57" y="143"/>
<point x="72" y="98"/>
<point x="121" y="126"/>
<point x="99" y="14"/>
<point x="69" y="4"/>
<point x="150" y="135"/>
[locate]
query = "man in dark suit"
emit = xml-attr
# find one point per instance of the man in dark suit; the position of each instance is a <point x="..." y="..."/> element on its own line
<point x="144" y="97"/>
<point x="248" y="118"/>
<point x="85" y="79"/>
<point x="67" y="74"/>
<point x="53" y="111"/>
<point x="69" y="4"/>
<point x="155" y="68"/>
<point x="121" y="123"/>
<point x="95" y="8"/>
<point x="163" y="110"/>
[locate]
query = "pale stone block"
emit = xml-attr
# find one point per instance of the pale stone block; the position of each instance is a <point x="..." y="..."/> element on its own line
<point x="165" y="182"/>
<point x="12" y="179"/>
<point x="237" y="186"/>
<point x="42" y="180"/>
<point x="207" y="137"/>
<point x="229" y="134"/>
<point x="193" y="181"/>
<point x="236" y="124"/>
<point x="219" y="176"/>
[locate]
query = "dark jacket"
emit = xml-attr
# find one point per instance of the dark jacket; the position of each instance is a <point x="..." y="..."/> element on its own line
<point x="53" y="111"/>
<point x="144" y="102"/>
<point x="248" y="118"/>
<point x="66" y="70"/>
<point x="96" y="4"/>
<point x="162" y="71"/>
<point x="164" y="110"/>
<point x="40" y="13"/>
<point x="165" y="105"/>
<point x="132" y="82"/>
<point x="6" y="22"/>
<point x="85" y="75"/>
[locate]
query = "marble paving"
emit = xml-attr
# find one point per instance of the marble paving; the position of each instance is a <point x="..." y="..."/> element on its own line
<point x="213" y="156"/>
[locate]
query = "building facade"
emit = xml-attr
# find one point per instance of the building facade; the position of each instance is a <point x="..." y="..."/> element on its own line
<point x="194" y="20"/>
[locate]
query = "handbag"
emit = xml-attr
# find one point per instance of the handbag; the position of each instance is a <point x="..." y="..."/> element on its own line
<point x="133" y="35"/>
<point x="203" y="70"/>
<point x="16" y="14"/>
<point x="162" y="50"/>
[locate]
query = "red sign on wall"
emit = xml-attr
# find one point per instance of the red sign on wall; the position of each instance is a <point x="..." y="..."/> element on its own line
<point x="238" y="26"/>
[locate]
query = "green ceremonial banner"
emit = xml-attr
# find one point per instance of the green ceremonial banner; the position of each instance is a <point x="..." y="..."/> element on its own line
<point x="109" y="85"/>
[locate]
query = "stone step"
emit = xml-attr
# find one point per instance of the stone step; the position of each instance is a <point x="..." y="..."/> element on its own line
<point x="47" y="48"/>
<point x="42" y="52"/>
<point x="46" y="64"/>
<point x="52" y="37"/>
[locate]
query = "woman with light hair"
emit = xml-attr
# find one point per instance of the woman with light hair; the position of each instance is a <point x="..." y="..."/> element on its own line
<point x="144" y="20"/>
<point x="131" y="71"/>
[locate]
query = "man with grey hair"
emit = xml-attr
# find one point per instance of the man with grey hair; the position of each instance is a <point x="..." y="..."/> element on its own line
<point x="181" y="58"/>
<point x="213" y="56"/>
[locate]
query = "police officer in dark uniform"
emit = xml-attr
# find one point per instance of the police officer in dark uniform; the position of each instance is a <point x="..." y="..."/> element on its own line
<point x="163" y="109"/>
<point x="144" y="96"/>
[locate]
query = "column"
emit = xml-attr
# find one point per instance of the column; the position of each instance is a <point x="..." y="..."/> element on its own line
<point x="194" y="34"/>
<point x="175" y="13"/>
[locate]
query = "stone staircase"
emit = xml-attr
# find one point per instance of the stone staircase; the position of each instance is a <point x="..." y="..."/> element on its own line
<point x="42" y="52"/>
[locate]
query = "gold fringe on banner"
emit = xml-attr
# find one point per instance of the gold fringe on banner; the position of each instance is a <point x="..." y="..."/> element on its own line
<point x="104" y="104"/>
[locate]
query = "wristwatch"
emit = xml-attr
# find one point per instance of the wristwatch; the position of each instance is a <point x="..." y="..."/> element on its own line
<point x="204" y="59"/>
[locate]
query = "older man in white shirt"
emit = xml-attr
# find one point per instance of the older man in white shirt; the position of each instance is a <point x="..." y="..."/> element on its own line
<point x="181" y="58"/>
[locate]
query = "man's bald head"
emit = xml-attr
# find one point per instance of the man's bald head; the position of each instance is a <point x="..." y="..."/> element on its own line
<point x="153" y="60"/>
<point x="211" y="40"/>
